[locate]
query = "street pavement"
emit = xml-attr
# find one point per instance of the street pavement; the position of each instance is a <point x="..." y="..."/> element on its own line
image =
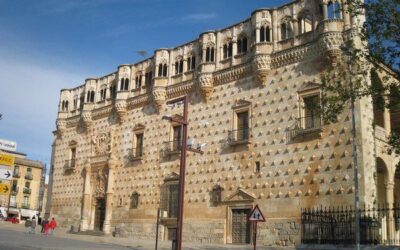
<point x="12" y="237"/>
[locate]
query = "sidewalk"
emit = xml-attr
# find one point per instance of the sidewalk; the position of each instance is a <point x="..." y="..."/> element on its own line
<point x="137" y="244"/>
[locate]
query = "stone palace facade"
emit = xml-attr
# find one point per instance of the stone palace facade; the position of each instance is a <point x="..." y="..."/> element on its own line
<point x="253" y="88"/>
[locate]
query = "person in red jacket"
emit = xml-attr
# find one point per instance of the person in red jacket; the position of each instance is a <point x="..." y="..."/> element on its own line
<point x="52" y="225"/>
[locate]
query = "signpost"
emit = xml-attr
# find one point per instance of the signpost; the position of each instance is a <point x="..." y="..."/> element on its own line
<point x="4" y="188"/>
<point x="6" y="162"/>
<point x="5" y="173"/>
<point x="254" y="217"/>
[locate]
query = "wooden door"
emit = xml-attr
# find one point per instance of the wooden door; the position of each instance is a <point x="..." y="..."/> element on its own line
<point x="240" y="226"/>
<point x="100" y="214"/>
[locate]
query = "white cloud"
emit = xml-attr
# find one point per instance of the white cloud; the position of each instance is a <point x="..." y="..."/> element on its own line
<point x="199" y="17"/>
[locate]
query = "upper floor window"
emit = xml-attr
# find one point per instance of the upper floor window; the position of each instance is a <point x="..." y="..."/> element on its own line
<point x="176" y="137"/>
<point x="334" y="10"/>
<point x="242" y="45"/>
<point x="227" y="50"/>
<point x="113" y="91"/>
<point x="305" y="24"/>
<point x="134" y="199"/>
<point x="241" y="123"/>
<point x="179" y="67"/>
<point x="311" y="111"/>
<point x="191" y="63"/>
<point x="210" y="53"/>
<point x="162" y="70"/>
<point x="138" y="81"/>
<point x="216" y="195"/>
<point x="124" y="85"/>
<point x="90" y="96"/>
<point x="75" y="102"/>
<point x="64" y="106"/>
<point x="148" y="77"/>
<point x="286" y="29"/>
<point x="265" y="34"/>
<point x="103" y="93"/>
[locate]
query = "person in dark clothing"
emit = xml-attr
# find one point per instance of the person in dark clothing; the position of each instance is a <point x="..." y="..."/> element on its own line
<point x="44" y="224"/>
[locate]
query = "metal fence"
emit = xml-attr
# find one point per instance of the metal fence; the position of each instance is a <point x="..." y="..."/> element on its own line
<point x="379" y="225"/>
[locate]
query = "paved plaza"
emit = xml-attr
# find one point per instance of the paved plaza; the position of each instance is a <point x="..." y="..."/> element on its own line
<point x="12" y="237"/>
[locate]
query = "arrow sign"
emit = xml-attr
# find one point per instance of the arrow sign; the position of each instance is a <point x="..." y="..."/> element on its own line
<point x="4" y="188"/>
<point x="256" y="215"/>
<point x="5" y="174"/>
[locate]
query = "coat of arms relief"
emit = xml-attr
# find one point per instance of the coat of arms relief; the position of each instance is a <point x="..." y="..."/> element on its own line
<point x="102" y="143"/>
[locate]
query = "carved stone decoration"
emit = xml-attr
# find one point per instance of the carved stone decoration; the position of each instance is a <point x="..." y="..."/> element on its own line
<point x="159" y="95"/>
<point x="102" y="143"/>
<point x="120" y="108"/>
<point x="87" y="119"/>
<point x="330" y="43"/>
<point x="206" y="84"/>
<point x="61" y="126"/>
<point x="99" y="182"/>
<point x="261" y="66"/>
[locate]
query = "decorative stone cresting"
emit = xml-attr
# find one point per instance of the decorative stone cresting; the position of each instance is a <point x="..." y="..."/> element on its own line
<point x="261" y="66"/>
<point x="61" y="126"/>
<point x="120" y="107"/>
<point x="159" y="95"/>
<point x="205" y="82"/>
<point x="330" y="43"/>
<point x="87" y="119"/>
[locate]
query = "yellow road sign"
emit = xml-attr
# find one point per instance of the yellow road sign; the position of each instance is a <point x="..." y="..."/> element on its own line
<point x="4" y="188"/>
<point x="7" y="160"/>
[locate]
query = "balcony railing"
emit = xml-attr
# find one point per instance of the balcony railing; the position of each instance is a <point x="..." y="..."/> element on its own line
<point x="28" y="176"/>
<point x="13" y="204"/>
<point x="135" y="153"/>
<point x="173" y="147"/>
<point x="239" y="136"/>
<point x="305" y="125"/>
<point x="27" y="190"/>
<point x="69" y="165"/>
<point x="25" y="206"/>
<point x="16" y="174"/>
<point x="14" y="191"/>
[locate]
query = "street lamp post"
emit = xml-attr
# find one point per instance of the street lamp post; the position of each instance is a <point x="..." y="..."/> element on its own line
<point x="184" y="148"/>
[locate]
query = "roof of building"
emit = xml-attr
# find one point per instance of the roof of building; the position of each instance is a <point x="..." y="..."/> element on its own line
<point x="29" y="163"/>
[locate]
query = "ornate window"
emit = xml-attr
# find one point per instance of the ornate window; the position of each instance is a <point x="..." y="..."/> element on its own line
<point x="124" y="85"/>
<point x="169" y="196"/>
<point x="179" y="66"/>
<point x="265" y="34"/>
<point x="113" y="91"/>
<point x="242" y="45"/>
<point x="138" y="80"/>
<point x="210" y="53"/>
<point x="305" y="23"/>
<point x="162" y="70"/>
<point x="191" y="63"/>
<point x="103" y="93"/>
<point x="148" y="77"/>
<point x="81" y="101"/>
<point x="241" y="123"/>
<point x="90" y="96"/>
<point x="135" y="200"/>
<point x="334" y="10"/>
<point x="64" y="105"/>
<point x="227" y="50"/>
<point x="216" y="195"/>
<point x="286" y="28"/>
<point x="75" y="102"/>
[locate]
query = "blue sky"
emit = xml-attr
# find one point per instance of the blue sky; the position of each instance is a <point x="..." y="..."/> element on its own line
<point x="47" y="45"/>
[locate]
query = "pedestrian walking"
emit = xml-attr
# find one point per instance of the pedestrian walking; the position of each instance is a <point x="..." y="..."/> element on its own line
<point x="53" y="225"/>
<point x="33" y="225"/>
<point x="28" y="224"/>
<point x="44" y="225"/>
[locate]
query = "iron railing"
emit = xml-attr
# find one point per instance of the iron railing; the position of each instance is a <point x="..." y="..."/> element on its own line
<point x="27" y="190"/>
<point x="379" y="225"/>
<point x="28" y="176"/>
<point x="13" y="204"/>
<point x="69" y="164"/>
<point x="16" y="174"/>
<point x="173" y="147"/>
<point x="305" y="125"/>
<point x="25" y="206"/>
<point x="14" y="190"/>
<point x="239" y="136"/>
<point x="135" y="153"/>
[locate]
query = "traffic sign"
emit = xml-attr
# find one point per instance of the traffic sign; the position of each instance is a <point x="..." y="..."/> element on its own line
<point x="4" y="188"/>
<point x="5" y="173"/>
<point x="7" y="160"/>
<point x="256" y="215"/>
